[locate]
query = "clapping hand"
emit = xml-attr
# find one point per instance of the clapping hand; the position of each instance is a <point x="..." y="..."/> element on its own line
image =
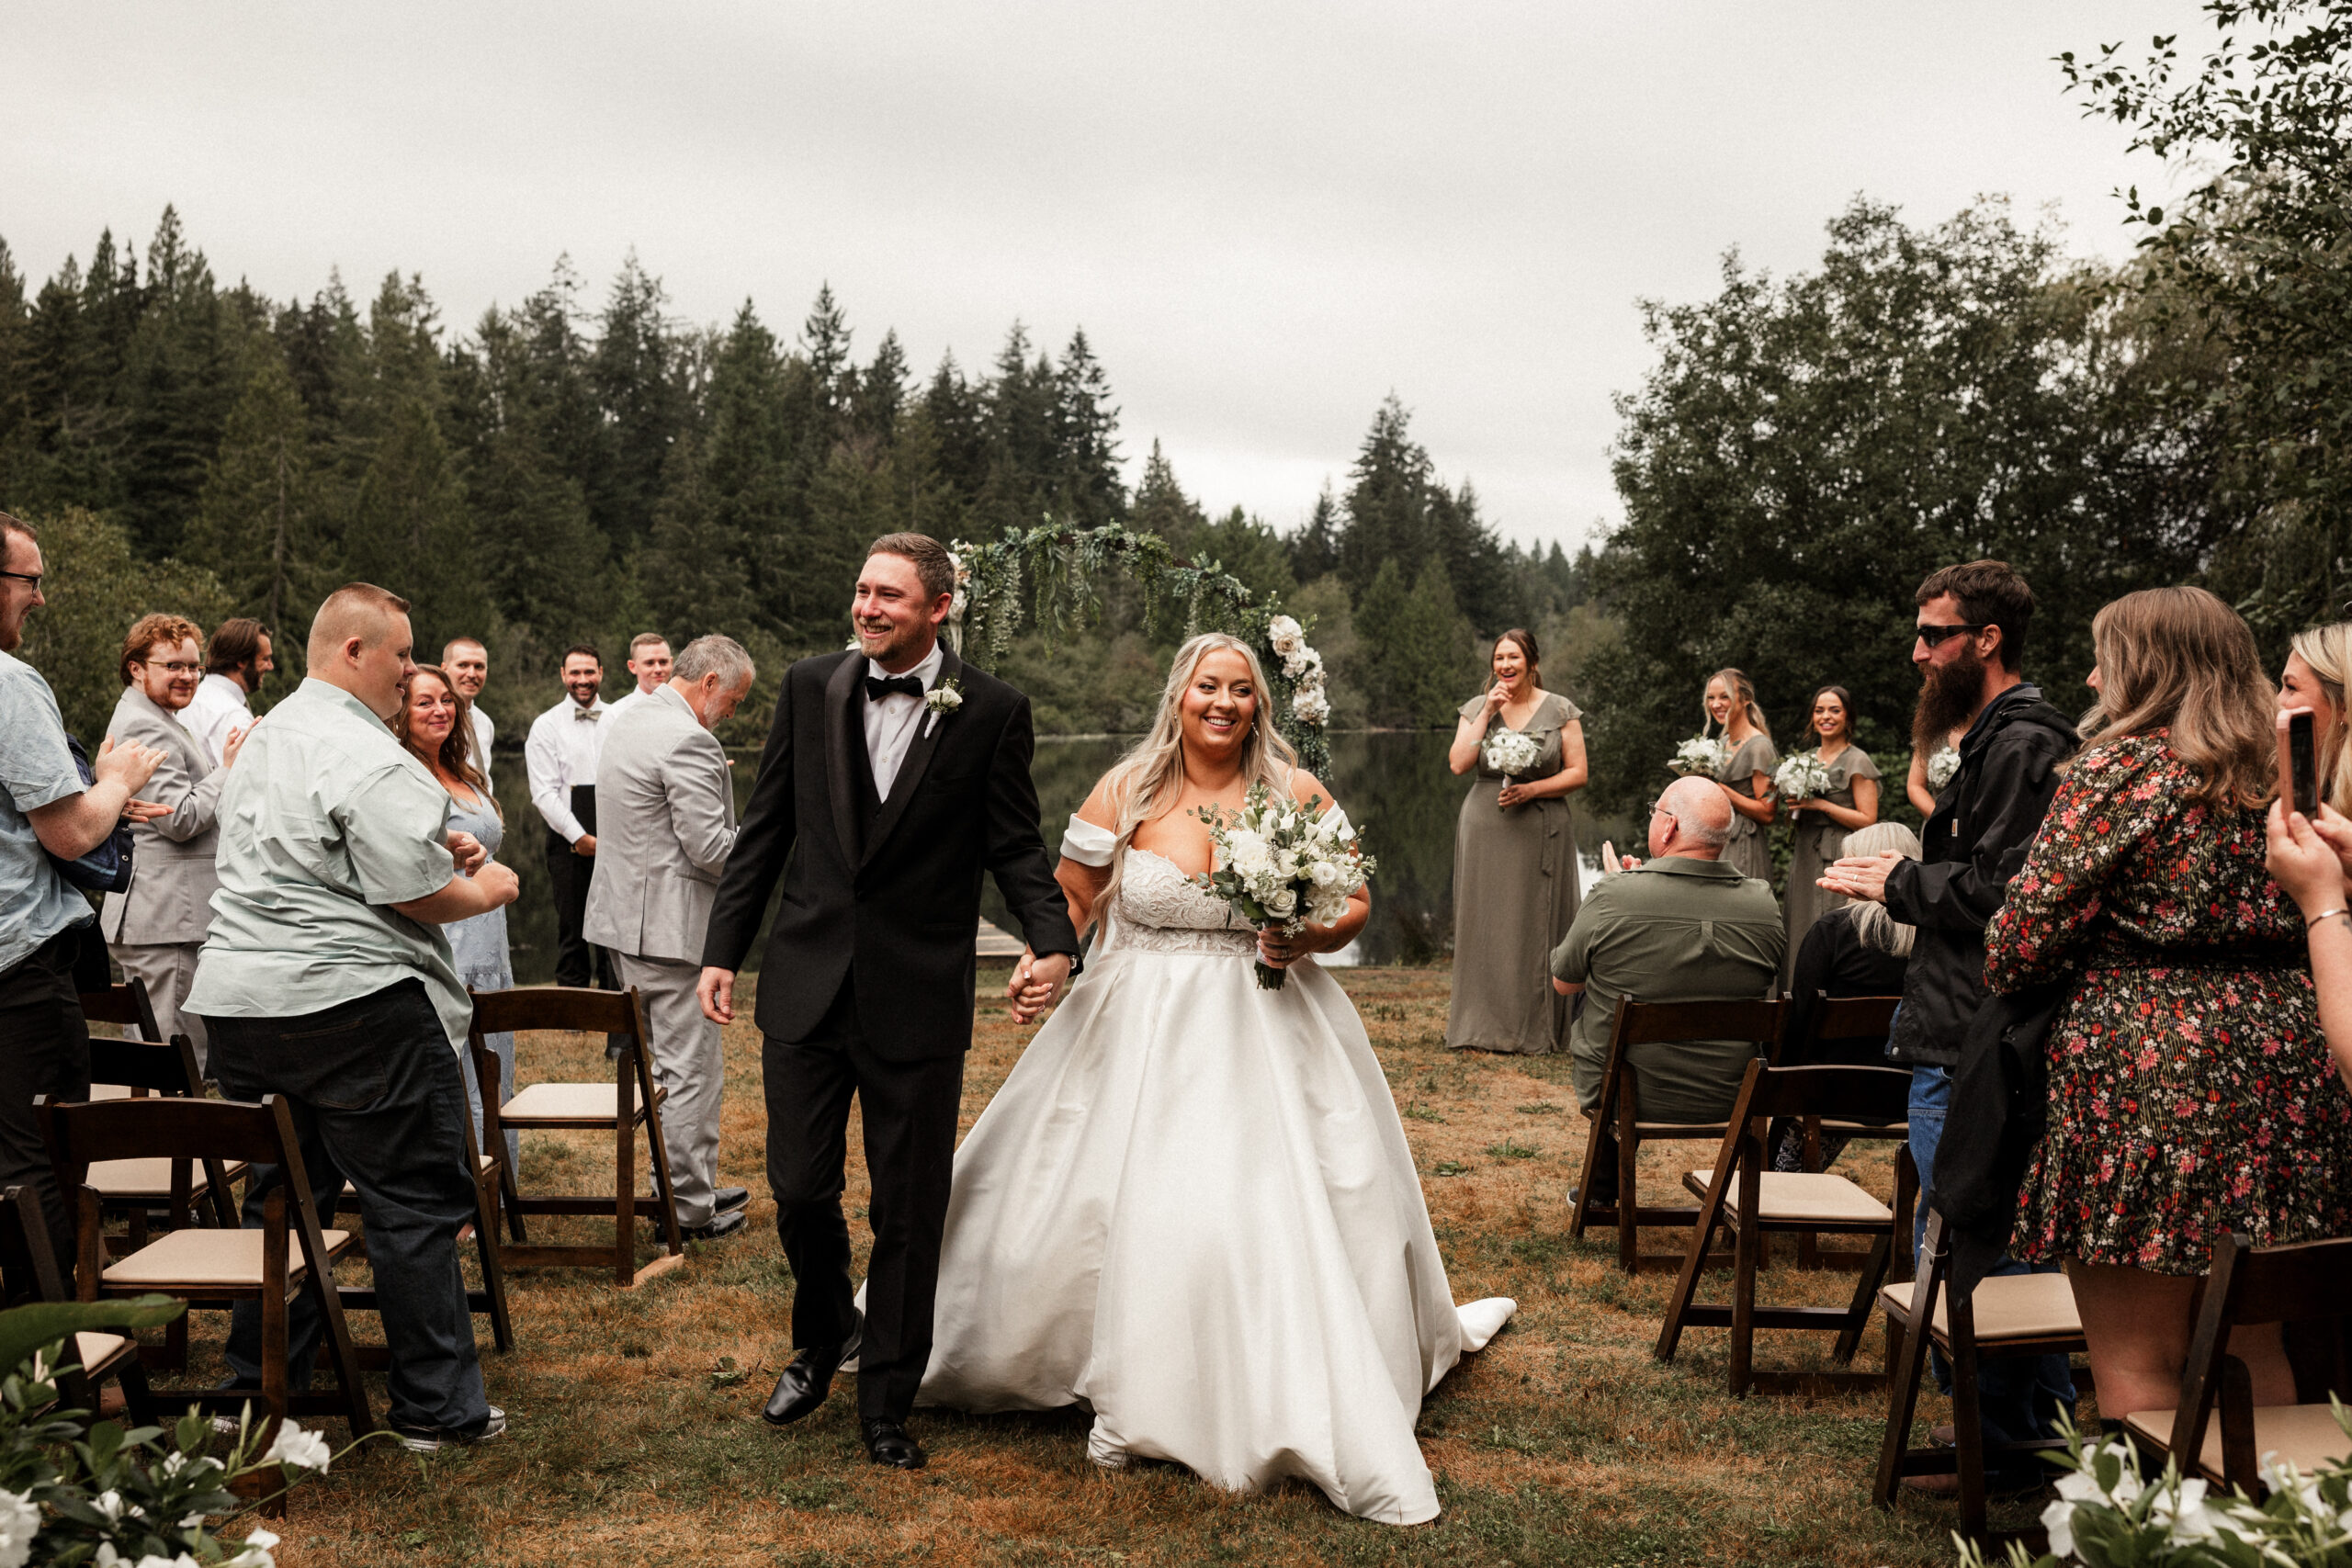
<point x="234" y="744"/>
<point x="1860" y="877"/>
<point x="1611" y="861"/>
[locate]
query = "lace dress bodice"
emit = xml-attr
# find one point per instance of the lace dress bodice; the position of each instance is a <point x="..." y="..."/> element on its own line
<point x="1159" y="910"/>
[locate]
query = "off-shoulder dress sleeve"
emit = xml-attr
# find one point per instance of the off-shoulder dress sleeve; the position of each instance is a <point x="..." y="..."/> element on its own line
<point x="1087" y="843"/>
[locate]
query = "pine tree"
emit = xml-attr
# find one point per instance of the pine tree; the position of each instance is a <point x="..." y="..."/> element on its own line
<point x="693" y="568"/>
<point x="1315" y="549"/>
<point x="257" y="524"/>
<point x="1415" y="647"/>
<point x="636" y="371"/>
<point x="1086" y="435"/>
<point x="410" y="530"/>
<point x="1162" y="506"/>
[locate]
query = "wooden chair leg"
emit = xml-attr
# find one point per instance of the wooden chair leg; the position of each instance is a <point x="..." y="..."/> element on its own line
<point x="1744" y="1248"/>
<point x="511" y="1192"/>
<point x="1808" y="1242"/>
<point x="657" y="1145"/>
<point x="137" y="1397"/>
<point x="1858" y="1310"/>
<point x="1629" y="1207"/>
<point x="1907" y="1361"/>
<point x="625" y="1200"/>
<point x="1967" y="1421"/>
<point x="493" y="1273"/>
<point x="1694" y="1265"/>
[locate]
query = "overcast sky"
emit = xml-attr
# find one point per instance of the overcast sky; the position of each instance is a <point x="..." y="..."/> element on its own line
<point x="1266" y="216"/>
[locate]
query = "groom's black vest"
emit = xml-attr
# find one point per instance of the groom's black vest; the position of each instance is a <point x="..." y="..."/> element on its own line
<point x="885" y="894"/>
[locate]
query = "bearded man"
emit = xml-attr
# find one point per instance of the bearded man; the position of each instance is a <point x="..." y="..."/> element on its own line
<point x="1972" y="621"/>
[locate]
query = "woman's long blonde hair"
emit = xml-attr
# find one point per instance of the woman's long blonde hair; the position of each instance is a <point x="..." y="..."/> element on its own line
<point x="2180" y="658"/>
<point x="1743" y="694"/>
<point x="2328" y="651"/>
<point x="1144" y="784"/>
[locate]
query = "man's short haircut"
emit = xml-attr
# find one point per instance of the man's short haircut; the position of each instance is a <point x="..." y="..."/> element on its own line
<point x="147" y="631"/>
<point x="580" y="648"/>
<point x="463" y="642"/>
<point x="12" y="526"/>
<point x="645" y="639"/>
<point x="236" y="645"/>
<point x="713" y="654"/>
<point x="930" y="557"/>
<point x="1990" y="593"/>
<point x="358" y="610"/>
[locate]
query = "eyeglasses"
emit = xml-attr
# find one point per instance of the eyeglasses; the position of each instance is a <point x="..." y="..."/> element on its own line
<point x="31" y="576"/>
<point x="178" y="667"/>
<point x="1934" y="636"/>
<point x="1659" y="806"/>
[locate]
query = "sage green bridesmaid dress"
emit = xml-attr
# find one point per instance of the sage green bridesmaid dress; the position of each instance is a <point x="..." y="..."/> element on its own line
<point x="1817" y="842"/>
<point x="1515" y="893"/>
<point x="1748" y="849"/>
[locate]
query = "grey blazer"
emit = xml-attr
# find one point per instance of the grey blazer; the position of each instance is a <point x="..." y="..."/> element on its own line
<point x="665" y="825"/>
<point x="172" y="878"/>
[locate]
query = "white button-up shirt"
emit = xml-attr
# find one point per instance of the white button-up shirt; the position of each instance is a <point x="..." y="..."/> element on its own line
<point x="217" y="708"/>
<point x="562" y="751"/>
<point x="484" y="733"/>
<point x="891" y="724"/>
<point x="626" y="701"/>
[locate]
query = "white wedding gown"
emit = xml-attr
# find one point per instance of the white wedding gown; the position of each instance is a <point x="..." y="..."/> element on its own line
<point x="1190" y="1208"/>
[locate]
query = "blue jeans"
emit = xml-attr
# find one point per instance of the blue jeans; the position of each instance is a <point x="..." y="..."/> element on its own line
<point x="376" y="1095"/>
<point x="2017" y="1397"/>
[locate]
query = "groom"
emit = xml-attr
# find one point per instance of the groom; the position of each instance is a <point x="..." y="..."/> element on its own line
<point x="894" y="776"/>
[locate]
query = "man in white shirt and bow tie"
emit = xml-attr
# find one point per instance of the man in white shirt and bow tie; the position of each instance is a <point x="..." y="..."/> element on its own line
<point x="560" y="758"/>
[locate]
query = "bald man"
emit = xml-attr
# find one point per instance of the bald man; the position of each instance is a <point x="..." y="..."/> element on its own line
<point x="1682" y="927"/>
<point x="327" y="980"/>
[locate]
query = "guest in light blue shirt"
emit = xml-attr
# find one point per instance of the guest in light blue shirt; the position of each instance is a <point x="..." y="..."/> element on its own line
<point x="327" y="980"/>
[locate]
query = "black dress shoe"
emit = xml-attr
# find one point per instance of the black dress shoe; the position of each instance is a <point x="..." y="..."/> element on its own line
<point x="808" y="1378"/>
<point x="726" y="1222"/>
<point x="886" y="1443"/>
<point x="727" y="1198"/>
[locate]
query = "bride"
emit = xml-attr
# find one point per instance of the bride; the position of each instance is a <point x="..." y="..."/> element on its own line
<point x="1190" y="1207"/>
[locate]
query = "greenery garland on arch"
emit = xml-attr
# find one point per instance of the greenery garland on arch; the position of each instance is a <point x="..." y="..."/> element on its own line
<point x="1047" y="577"/>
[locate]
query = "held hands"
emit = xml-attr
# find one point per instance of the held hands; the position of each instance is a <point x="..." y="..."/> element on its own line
<point x="715" y="991"/>
<point x="2310" y="860"/>
<point x="1034" y="984"/>
<point x="1860" y="877"/>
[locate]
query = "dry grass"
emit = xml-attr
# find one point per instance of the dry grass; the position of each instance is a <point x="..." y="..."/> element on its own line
<point x="1564" y="1442"/>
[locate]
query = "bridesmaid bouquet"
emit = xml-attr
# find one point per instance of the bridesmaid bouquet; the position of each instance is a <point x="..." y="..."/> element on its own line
<point x="1700" y="754"/>
<point x="1511" y="753"/>
<point x="1941" y="768"/>
<point x="1803" y="777"/>
<point x="1280" y="863"/>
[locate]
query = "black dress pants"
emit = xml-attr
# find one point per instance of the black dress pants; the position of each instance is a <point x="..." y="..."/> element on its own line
<point x="44" y="1049"/>
<point x="909" y="1110"/>
<point x="577" y="963"/>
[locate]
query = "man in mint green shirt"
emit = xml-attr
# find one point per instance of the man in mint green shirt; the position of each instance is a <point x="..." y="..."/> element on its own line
<point x="1681" y="928"/>
<point x="326" y="979"/>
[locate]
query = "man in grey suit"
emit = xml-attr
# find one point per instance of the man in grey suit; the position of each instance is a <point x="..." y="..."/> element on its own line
<point x="155" y="926"/>
<point x="665" y="820"/>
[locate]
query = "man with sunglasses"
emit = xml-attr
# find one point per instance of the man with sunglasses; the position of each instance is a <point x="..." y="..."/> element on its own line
<point x="1972" y="629"/>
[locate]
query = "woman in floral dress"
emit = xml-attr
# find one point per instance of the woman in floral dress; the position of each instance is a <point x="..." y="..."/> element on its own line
<point x="2191" y="1093"/>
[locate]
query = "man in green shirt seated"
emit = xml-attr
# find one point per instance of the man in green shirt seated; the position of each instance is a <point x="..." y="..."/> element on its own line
<point x="1681" y="928"/>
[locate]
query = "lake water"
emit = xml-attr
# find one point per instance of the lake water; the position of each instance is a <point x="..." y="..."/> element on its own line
<point x="1393" y="785"/>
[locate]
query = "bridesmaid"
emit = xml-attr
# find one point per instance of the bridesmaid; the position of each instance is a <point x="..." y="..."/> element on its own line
<point x="1822" y="822"/>
<point x="1916" y="784"/>
<point x="436" y="726"/>
<point x="1746" y="772"/>
<point x="1514" y="861"/>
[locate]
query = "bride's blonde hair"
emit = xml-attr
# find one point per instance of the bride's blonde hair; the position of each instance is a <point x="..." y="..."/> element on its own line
<point x="1145" y="783"/>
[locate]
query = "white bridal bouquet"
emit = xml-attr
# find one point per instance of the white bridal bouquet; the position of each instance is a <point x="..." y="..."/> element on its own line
<point x="1511" y="753"/>
<point x="1280" y="863"/>
<point x="1700" y="754"/>
<point x="1803" y="776"/>
<point x="1941" y="768"/>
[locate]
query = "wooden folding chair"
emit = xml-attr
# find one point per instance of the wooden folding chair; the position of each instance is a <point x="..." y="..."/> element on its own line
<point x="2253" y="1286"/>
<point x="289" y="1254"/>
<point x="26" y="1255"/>
<point x="2006" y="1315"/>
<point x="1833" y="1022"/>
<point x="136" y="1187"/>
<point x="127" y="1006"/>
<point x="491" y="1299"/>
<point x="1656" y="1024"/>
<point x="632" y="1100"/>
<point x="1744" y="1191"/>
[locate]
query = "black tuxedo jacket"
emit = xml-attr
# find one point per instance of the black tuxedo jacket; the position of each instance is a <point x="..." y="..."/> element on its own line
<point x="889" y="895"/>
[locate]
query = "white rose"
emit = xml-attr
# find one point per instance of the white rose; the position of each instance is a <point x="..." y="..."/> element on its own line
<point x="1282" y="902"/>
<point x="1326" y="873"/>
<point x="1286" y="635"/>
<point x="1247" y="853"/>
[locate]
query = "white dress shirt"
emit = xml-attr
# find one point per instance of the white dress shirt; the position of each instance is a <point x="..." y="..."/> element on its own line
<point x="891" y="724"/>
<point x="562" y="751"/>
<point x="626" y="701"/>
<point x="484" y="733"/>
<point x="217" y="708"/>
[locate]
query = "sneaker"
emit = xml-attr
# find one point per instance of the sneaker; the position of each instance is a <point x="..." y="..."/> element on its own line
<point x="433" y="1439"/>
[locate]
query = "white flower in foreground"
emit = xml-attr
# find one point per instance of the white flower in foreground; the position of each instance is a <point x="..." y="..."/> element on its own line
<point x="1282" y="903"/>
<point x="305" y="1450"/>
<point x="19" y="1522"/>
<point x="2185" y="1513"/>
<point x="256" y="1552"/>
<point x="2058" y="1519"/>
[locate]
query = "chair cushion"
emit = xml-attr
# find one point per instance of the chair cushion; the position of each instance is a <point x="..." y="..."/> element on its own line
<point x="199" y="1257"/>
<point x="129" y="1178"/>
<point x="96" y="1354"/>
<point x="1796" y="1196"/>
<point x="563" y="1102"/>
<point x="2305" y="1435"/>
<point x="109" y="1091"/>
<point x="2008" y="1306"/>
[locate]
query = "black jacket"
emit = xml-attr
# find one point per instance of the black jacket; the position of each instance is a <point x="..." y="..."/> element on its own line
<point x="886" y="893"/>
<point x="1974" y="842"/>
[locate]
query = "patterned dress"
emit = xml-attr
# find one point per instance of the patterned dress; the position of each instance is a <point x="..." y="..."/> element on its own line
<point x="2191" y="1093"/>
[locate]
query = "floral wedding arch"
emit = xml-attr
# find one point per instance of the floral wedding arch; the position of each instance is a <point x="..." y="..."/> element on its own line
<point x="1047" y="577"/>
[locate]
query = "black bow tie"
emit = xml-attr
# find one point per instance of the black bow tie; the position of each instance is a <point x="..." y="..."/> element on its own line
<point x="880" y="686"/>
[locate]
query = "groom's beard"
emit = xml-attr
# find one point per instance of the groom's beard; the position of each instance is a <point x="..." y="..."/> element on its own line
<point x="1948" y="700"/>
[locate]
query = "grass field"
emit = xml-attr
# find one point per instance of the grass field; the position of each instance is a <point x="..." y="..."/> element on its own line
<point x="635" y="1437"/>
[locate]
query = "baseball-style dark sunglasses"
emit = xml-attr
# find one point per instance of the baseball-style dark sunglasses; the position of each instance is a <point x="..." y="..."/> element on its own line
<point x="1934" y="636"/>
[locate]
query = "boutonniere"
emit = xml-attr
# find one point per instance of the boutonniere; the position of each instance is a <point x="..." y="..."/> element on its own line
<point x="943" y="700"/>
